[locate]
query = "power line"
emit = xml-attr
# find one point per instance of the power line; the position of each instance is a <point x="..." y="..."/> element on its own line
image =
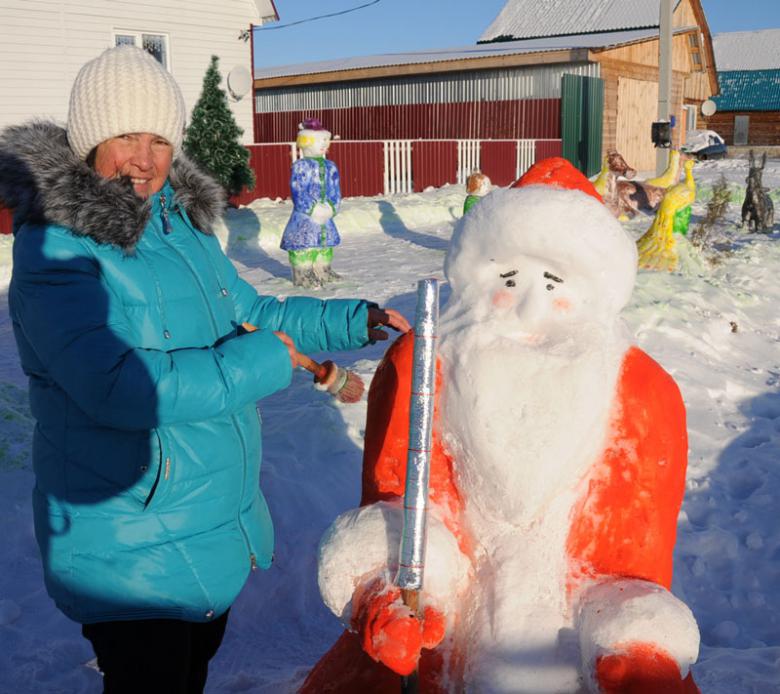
<point x="313" y="19"/>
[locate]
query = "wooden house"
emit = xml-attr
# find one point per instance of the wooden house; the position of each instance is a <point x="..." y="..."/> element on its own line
<point x="748" y="107"/>
<point x="584" y="74"/>
<point x="44" y="43"/>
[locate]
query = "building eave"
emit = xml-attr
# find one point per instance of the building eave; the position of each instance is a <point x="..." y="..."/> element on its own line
<point x="575" y="55"/>
<point x="701" y="18"/>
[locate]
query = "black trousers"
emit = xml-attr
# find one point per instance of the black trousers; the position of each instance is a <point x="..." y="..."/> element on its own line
<point x="151" y="656"/>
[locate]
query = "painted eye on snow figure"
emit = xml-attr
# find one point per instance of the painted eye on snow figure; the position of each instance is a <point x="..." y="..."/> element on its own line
<point x="504" y="275"/>
<point x="554" y="278"/>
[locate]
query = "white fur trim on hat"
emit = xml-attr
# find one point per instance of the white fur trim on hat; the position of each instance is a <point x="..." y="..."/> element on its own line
<point x="124" y="90"/>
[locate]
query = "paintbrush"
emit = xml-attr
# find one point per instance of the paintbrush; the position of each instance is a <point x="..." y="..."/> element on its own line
<point x="345" y="386"/>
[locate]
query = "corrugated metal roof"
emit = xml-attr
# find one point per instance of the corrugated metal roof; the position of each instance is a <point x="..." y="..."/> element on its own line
<point x="498" y="84"/>
<point x="749" y="90"/>
<point x="522" y="19"/>
<point x="463" y="53"/>
<point x="747" y="50"/>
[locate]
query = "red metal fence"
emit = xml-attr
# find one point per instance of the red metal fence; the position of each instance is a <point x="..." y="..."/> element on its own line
<point x="498" y="160"/>
<point x="360" y="167"/>
<point x="6" y="220"/>
<point x="433" y="163"/>
<point x="548" y="148"/>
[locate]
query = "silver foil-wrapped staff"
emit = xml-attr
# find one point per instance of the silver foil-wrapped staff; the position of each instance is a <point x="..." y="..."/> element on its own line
<point x="412" y="554"/>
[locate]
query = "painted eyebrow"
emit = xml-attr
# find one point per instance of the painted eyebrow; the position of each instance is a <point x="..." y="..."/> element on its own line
<point x="511" y="273"/>
<point x="550" y="276"/>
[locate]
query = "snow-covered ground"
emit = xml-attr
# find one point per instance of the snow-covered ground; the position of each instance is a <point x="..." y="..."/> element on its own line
<point x="715" y="326"/>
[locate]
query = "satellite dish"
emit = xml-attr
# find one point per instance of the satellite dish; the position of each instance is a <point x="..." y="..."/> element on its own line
<point x="708" y="108"/>
<point x="239" y="82"/>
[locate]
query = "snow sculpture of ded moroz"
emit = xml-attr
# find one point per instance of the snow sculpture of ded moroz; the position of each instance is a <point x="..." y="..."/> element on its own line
<point x="557" y="473"/>
<point x="310" y="234"/>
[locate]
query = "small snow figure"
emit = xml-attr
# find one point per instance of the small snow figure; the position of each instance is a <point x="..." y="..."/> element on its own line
<point x="310" y="234"/>
<point x="557" y="474"/>
<point x="477" y="186"/>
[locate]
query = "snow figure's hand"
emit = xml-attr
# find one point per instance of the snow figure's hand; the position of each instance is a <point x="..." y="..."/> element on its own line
<point x="642" y="669"/>
<point x="321" y="213"/>
<point x="390" y="633"/>
<point x="636" y="637"/>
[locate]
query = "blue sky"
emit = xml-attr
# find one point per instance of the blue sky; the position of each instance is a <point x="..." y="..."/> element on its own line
<point x="392" y="26"/>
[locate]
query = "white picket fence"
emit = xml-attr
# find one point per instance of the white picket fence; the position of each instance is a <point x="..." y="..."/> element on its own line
<point x="526" y="156"/>
<point x="398" y="166"/>
<point x="468" y="159"/>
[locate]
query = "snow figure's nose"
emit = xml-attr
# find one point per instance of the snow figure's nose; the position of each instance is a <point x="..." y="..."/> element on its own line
<point x="531" y="306"/>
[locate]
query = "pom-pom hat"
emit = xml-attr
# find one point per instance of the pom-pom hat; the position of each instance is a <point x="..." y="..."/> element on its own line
<point x="124" y="90"/>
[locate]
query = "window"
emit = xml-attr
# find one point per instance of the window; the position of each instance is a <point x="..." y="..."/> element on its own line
<point x="690" y="117"/>
<point x="154" y="44"/>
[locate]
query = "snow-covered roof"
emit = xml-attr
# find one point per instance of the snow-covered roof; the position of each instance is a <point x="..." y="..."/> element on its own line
<point x="524" y="19"/>
<point x="537" y="45"/>
<point x="747" y="50"/>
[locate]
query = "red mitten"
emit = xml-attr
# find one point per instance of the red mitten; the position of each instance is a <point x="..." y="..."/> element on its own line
<point x="390" y="632"/>
<point x="642" y="669"/>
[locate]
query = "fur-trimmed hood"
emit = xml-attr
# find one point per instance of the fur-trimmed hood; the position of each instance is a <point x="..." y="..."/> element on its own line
<point x="45" y="182"/>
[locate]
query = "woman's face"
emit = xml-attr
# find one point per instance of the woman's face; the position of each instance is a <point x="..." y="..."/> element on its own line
<point x="144" y="157"/>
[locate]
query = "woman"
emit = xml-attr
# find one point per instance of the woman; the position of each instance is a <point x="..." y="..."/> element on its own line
<point x="125" y="310"/>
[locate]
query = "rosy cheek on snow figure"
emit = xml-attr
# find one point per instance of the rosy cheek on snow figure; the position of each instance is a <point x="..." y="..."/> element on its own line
<point x="503" y="299"/>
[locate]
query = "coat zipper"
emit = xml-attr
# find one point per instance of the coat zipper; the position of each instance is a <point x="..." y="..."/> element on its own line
<point x="204" y="295"/>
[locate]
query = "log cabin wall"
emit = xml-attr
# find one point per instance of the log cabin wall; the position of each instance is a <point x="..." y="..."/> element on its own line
<point x="763" y="126"/>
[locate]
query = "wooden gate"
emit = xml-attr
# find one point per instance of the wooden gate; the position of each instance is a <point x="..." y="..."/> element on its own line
<point x="637" y="106"/>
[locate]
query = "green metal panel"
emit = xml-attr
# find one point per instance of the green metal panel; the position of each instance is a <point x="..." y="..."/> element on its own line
<point x="582" y="111"/>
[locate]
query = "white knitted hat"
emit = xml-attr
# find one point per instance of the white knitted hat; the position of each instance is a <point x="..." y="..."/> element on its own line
<point x="124" y="90"/>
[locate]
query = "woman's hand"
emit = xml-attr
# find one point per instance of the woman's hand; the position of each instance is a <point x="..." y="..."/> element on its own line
<point x="288" y="342"/>
<point x="379" y="317"/>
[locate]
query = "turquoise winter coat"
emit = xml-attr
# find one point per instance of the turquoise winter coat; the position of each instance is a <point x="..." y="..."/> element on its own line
<point x="147" y="444"/>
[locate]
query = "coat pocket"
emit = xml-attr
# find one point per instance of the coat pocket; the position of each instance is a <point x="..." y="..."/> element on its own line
<point x="158" y="472"/>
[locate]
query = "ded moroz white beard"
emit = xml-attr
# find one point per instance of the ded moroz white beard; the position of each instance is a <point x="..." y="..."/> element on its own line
<point x="524" y="418"/>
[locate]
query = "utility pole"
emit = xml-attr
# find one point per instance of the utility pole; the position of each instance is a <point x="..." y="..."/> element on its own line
<point x="664" y="78"/>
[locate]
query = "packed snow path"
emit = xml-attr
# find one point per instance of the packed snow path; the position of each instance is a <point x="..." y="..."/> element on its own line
<point x="716" y="328"/>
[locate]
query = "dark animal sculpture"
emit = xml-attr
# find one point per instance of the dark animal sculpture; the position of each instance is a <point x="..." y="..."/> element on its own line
<point x="758" y="211"/>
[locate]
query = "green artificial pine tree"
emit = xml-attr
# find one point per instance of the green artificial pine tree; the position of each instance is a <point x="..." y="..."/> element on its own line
<point x="213" y="136"/>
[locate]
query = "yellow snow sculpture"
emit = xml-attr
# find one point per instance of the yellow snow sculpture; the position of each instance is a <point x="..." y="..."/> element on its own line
<point x="600" y="184"/>
<point x="658" y="246"/>
<point x="671" y="175"/>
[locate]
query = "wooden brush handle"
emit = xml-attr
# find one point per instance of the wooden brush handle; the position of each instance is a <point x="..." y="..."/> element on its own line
<point x="319" y="371"/>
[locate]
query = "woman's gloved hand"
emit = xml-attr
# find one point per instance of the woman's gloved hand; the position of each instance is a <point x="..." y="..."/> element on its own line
<point x="378" y="317"/>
